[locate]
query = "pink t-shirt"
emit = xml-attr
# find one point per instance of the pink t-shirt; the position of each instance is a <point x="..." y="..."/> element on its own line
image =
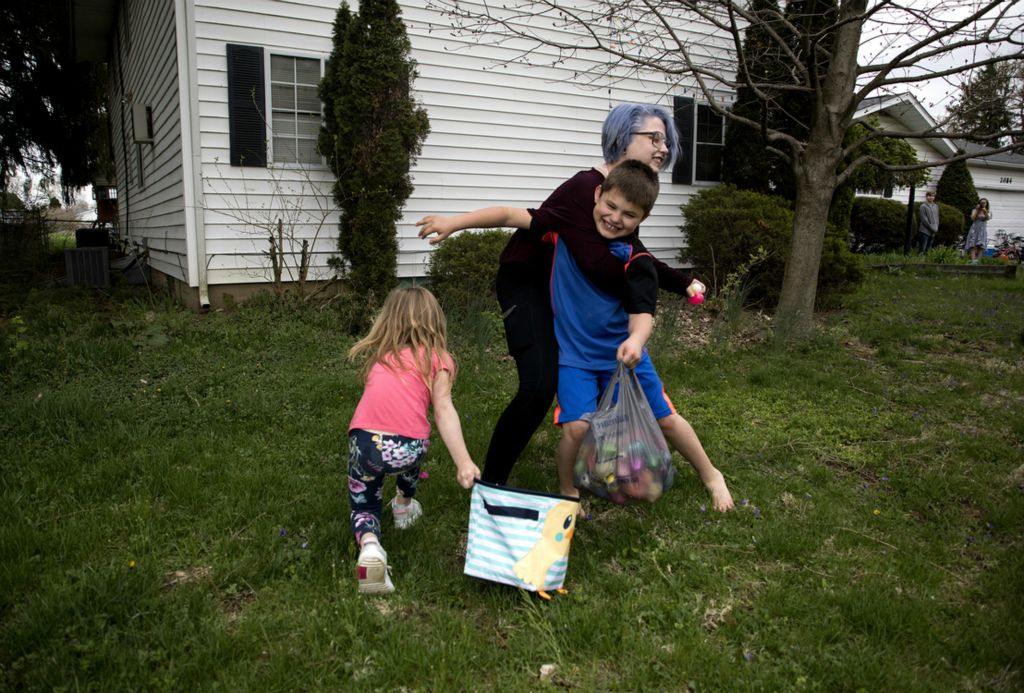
<point x="396" y="400"/>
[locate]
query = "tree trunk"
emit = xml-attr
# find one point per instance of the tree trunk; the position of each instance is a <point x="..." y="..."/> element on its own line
<point x="815" y="185"/>
<point x="816" y="176"/>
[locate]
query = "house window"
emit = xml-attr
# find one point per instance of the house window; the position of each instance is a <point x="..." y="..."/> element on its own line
<point x="295" y="109"/>
<point x="701" y="141"/>
<point x="710" y="140"/>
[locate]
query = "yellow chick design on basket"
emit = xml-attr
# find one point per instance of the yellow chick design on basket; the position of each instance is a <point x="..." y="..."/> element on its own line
<point x="559" y="525"/>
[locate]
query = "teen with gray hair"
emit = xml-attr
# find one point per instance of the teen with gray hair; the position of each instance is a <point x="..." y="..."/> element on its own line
<point x="642" y="132"/>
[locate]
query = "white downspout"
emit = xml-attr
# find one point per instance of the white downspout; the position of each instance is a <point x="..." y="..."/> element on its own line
<point x="191" y="153"/>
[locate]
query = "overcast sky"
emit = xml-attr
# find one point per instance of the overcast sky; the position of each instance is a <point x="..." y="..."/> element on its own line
<point x="898" y="28"/>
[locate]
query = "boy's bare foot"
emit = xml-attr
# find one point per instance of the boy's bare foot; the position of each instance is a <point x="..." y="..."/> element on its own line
<point x="721" y="499"/>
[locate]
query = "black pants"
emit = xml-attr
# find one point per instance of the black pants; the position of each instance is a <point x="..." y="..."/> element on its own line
<point x="530" y="332"/>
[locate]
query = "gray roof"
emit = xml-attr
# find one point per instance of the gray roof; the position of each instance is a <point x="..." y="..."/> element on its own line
<point x="1002" y="157"/>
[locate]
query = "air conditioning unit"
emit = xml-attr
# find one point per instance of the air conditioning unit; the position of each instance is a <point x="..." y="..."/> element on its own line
<point x="87" y="266"/>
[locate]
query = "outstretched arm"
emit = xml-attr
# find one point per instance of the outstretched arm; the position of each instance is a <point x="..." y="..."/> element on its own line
<point x="487" y="218"/>
<point x="450" y="428"/>
<point x="669" y="278"/>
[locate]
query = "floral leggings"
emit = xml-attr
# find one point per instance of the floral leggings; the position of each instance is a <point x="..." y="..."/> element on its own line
<point x="372" y="456"/>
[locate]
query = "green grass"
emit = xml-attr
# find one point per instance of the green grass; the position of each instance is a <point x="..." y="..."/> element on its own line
<point x="945" y="255"/>
<point x="174" y="518"/>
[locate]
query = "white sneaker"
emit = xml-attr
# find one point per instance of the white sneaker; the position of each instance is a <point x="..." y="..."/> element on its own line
<point x="372" y="570"/>
<point x="406" y="515"/>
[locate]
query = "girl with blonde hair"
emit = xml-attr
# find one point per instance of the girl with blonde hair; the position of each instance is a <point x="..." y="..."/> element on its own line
<point x="408" y="370"/>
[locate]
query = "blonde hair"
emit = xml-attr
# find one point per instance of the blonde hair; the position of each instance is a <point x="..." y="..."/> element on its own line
<point x="410" y="318"/>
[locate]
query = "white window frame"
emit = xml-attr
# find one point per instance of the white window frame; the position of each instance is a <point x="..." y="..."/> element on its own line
<point x="698" y="105"/>
<point x="268" y="55"/>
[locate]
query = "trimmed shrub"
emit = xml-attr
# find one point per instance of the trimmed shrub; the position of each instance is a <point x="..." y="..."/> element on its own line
<point x="462" y="270"/>
<point x="951" y="225"/>
<point x="877" y="225"/>
<point x="724" y="227"/>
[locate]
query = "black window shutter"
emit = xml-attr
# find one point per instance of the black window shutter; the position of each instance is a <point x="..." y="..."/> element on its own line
<point x="246" y="99"/>
<point x="682" y="171"/>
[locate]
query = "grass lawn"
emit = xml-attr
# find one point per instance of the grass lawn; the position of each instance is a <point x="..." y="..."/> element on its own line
<point x="174" y="517"/>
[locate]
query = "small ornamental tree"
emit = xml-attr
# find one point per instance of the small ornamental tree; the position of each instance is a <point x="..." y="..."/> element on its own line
<point x="956" y="188"/>
<point x="372" y="133"/>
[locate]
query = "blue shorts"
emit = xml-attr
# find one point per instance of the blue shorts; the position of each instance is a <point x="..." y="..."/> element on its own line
<point x="580" y="389"/>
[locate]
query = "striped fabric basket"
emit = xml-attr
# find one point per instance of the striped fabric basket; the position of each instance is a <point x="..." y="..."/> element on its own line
<point x="519" y="537"/>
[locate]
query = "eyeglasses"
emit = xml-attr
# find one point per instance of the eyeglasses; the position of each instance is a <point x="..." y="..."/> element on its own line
<point x="657" y="138"/>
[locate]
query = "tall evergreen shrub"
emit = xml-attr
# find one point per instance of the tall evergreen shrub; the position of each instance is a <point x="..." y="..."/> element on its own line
<point x="372" y="133"/>
<point x="746" y="162"/>
<point x="812" y="43"/>
<point x="956" y="188"/>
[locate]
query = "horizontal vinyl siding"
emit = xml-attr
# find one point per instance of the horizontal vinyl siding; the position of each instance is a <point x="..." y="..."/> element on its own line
<point x="499" y="134"/>
<point x="510" y="134"/>
<point x="151" y="209"/>
<point x="243" y="204"/>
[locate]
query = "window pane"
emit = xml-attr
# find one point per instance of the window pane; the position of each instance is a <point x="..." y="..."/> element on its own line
<point x="284" y="150"/>
<point x="283" y="124"/>
<point x="308" y="126"/>
<point x="307" y="71"/>
<point x="708" y="162"/>
<point x="282" y="68"/>
<point x="308" y="99"/>
<point x="282" y="97"/>
<point x="709" y="125"/>
<point x="308" y="153"/>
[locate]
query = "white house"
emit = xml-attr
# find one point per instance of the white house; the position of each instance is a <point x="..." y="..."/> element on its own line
<point x="198" y="184"/>
<point x="998" y="177"/>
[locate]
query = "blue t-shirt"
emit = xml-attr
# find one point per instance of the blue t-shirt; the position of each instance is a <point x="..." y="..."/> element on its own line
<point x="589" y="323"/>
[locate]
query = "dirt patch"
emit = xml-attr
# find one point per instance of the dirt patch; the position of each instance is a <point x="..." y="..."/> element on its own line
<point x="177" y="578"/>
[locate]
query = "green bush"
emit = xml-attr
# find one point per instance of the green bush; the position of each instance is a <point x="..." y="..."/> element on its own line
<point x="461" y="271"/>
<point x="951" y="225"/>
<point x="724" y="227"/>
<point x="877" y="225"/>
<point x="944" y="254"/>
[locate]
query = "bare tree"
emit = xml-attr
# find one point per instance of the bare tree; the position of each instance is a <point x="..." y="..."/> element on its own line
<point x="866" y="48"/>
<point x="286" y="211"/>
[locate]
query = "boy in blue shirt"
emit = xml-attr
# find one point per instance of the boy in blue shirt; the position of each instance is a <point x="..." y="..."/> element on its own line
<point x="595" y="330"/>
